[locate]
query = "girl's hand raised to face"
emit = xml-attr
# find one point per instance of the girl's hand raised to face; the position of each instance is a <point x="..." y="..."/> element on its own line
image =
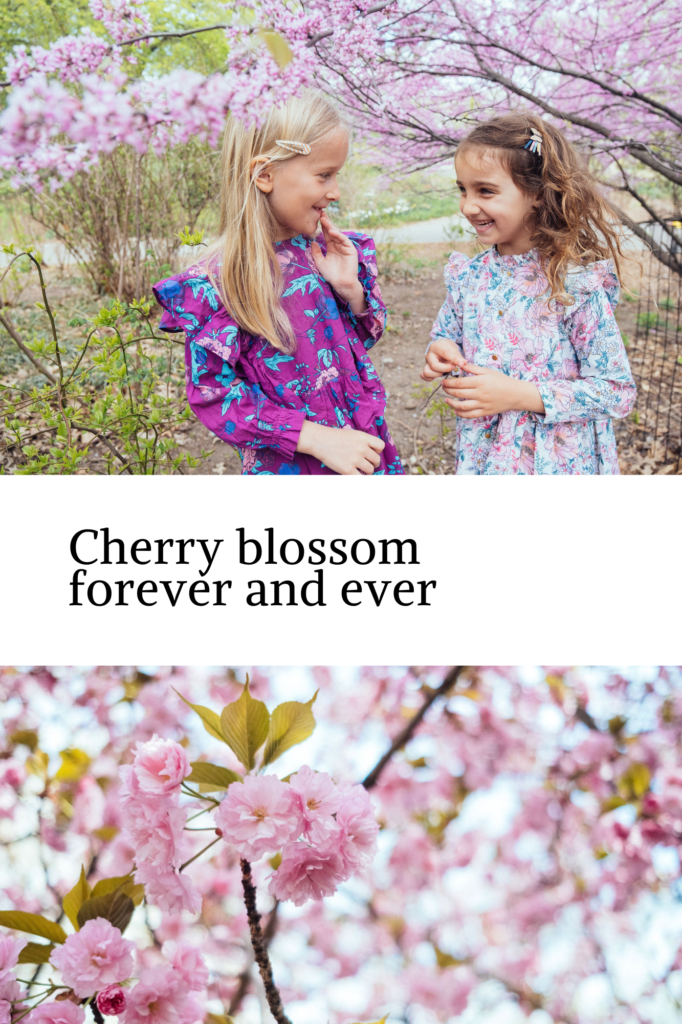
<point x="340" y="266"/>
<point x="489" y="393"/>
<point x="348" y="452"/>
<point x="443" y="357"/>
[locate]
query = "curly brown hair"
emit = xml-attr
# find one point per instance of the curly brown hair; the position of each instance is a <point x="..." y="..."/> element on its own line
<point x="573" y="222"/>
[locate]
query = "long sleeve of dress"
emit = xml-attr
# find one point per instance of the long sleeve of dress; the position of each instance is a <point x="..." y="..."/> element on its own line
<point x="448" y="323"/>
<point x="369" y="326"/>
<point x="604" y="387"/>
<point x="235" y="409"/>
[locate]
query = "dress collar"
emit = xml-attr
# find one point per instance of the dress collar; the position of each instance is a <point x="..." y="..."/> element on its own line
<point x="508" y="261"/>
<point x="298" y="241"/>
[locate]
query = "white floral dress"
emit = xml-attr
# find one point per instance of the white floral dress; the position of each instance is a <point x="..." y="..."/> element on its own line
<point x="496" y="313"/>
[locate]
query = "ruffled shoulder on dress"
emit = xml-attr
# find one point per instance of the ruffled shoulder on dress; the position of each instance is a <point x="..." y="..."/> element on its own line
<point x="191" y="304"/>
<point x="583" y="282"/>
<point x="456" y="270"/>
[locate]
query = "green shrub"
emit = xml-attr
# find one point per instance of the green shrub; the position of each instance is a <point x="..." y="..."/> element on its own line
<point x="113" y="394"/>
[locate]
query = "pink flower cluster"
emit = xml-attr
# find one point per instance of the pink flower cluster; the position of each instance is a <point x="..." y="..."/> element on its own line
<point x="153" y="823"/>
<point x="63" y="1012"/>
<point x="94" y="957"/>
<point x="68" y="57"/>
<point x="324" y="833"/>
<point x="171" y="993"/>
<point x="123" y="19"/>
<point x="48" y="133"/>
<point x="10" y="948"/>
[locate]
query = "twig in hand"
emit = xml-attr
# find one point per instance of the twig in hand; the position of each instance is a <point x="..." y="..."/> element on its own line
<point x="418" y="424"/>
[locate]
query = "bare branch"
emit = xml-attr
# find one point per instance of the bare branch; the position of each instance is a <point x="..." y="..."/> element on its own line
<point x="406" y="734"/>
<point x="14" y="334"/>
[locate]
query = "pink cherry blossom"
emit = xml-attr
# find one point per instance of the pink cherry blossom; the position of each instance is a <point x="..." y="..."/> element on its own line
<point x="12" y="773"/>
<point x="10" y="948"/>
<point x="10" y="993"/>
<point x="96" y="956"/>
<point x="359" y="828"/>
<point x="160" y="765"/>
<point x="161" y="997"/>
<point x="155" y="829"/>
<point x="168" y="890"/>
<point x="318" y="798"/>
<point x="111" y="1000"/>
<point x="259" y="815"/>
<point x="308" y="873"/>
<point x="188" y="962"/>
<point x="62" y="1012"/>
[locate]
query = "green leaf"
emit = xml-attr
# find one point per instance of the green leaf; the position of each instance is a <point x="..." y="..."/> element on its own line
<point x="291" y="723"/>
<point x="25" y="737"/>
<point x="213" y="775"/>
<point x="278" y="46"/>
<point x="611" y="803"/>
<point x="74" y="765"/>
<point x="106" y="833"/>
<point x="245" y="725"/>
<point x="35" y="953"/>
<point x="115" y="907"/>
<point x="107" y="885"/>
<point x="635" y="781"/>
<point x="444" y="959"/>
<point x="34" y="924"/>
<point x="209" y="718"/>
<point x="218" y="1018"/>
<point x="75" y="899"/>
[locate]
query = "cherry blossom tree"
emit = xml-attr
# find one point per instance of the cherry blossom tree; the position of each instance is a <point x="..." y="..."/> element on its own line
<point x="444" y="843"/>
<point x="607" y="72"/>
<point x="413" y="76"/>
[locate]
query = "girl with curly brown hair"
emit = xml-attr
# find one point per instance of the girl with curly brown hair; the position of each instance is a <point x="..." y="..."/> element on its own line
<point x="535" y="363"/>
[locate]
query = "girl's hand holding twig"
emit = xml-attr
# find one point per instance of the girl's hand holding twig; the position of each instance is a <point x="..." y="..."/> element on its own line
<point x="348" y="452"/>
<point x="489" y="393"/>
<point x="443" y="357"/>
<point x="340" y="266"/>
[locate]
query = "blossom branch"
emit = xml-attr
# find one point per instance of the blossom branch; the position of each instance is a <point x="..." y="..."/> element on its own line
<point x="260" y="950"/>
<point x="363" y="14"/>
<point x="245" y="976"/>
<point x="406" y="734"/>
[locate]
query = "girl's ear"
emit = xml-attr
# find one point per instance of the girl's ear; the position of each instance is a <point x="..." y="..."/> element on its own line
<point x="263" y="176"/>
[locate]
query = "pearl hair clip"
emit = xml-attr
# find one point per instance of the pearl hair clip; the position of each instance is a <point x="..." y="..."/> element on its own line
<point x="296" y="147"/>
<point x="534" y="143"/>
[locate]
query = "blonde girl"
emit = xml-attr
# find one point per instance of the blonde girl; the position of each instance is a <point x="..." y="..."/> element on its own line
<point x="278" y="319"/>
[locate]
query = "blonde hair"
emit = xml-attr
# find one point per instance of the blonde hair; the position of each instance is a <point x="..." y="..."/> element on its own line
<point x="249" y="278"/>
<point x="573" y="223"/>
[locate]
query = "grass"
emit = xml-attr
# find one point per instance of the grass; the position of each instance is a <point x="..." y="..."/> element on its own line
<point x="369" y="200"/>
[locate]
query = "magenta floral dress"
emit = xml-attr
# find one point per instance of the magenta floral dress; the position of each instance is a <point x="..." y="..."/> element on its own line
<point x="254" y="396"/>
<point x="496" y="313"/>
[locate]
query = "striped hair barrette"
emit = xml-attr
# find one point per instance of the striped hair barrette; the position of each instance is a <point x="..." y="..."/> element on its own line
<point x="534" y="143"/>
<point x="295" y="147"/>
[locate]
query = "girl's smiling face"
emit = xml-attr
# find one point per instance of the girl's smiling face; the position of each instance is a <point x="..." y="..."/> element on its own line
<point x="299" y="190"/>
<point x="490" y="200"/>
